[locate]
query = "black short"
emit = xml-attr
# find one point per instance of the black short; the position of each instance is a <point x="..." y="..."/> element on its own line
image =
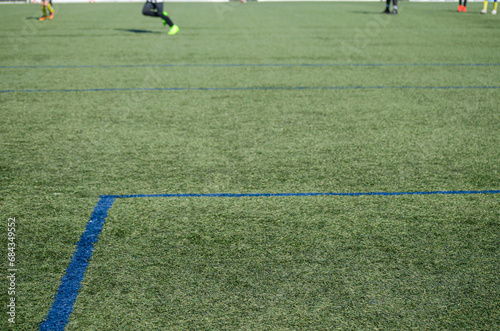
<point x="152" y="8"/>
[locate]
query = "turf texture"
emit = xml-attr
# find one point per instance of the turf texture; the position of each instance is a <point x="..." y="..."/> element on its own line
<point x="253" y="98"/>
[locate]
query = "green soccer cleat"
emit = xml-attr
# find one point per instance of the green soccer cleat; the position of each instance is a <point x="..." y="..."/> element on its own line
<point x="173" y="30"/>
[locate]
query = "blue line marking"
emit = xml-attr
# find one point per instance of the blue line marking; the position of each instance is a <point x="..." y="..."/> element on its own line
<point x="241" y="195"/>
<point x="254" y="65"/>
<point x="64" y="301"/>
<point x="66" y="295"/>
<point x="254" y="88"/>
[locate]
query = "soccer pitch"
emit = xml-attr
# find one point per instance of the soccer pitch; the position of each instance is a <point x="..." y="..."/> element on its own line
<point x="273" y="166"/>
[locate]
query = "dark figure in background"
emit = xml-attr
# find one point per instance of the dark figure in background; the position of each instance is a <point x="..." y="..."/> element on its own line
<point x="155" y="9"/>
<point x="388" y="6"/>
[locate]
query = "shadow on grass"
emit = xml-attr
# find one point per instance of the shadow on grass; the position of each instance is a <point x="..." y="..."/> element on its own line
<point x="137" y="31"/>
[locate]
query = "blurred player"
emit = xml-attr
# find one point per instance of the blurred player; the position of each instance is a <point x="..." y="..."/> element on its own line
<point x="462" y="8"/>
<point x="485" y="7"/>
<point x="47" y="6"/>
<point x="388" y="6"/>
<point x="153" y="8"/>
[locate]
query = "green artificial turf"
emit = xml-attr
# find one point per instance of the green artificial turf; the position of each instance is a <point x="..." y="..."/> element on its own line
<point x="271" y="97"/>
<point x="295" y="263"/>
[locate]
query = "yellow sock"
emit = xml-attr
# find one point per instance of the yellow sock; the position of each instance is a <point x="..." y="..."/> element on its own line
<point x="44" y="11"/>
<point x="49" y="7"/>
<point x="485" y="5"/>
<point x="495" y="6"/>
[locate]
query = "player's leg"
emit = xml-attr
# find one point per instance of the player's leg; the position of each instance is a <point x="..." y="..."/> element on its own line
<point x="51" y="9"/>
<point x="387" y="6"/>
<point x="47" y="7"/>
<point x="485" y="7"/>
<point x="166" y="20"/>
<point x="44" y="10"/>
<point x="163" y="14"/>
<point x="394" y="7"/>
<point x="149" y="9"/>
<point x="495" y="7"/>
